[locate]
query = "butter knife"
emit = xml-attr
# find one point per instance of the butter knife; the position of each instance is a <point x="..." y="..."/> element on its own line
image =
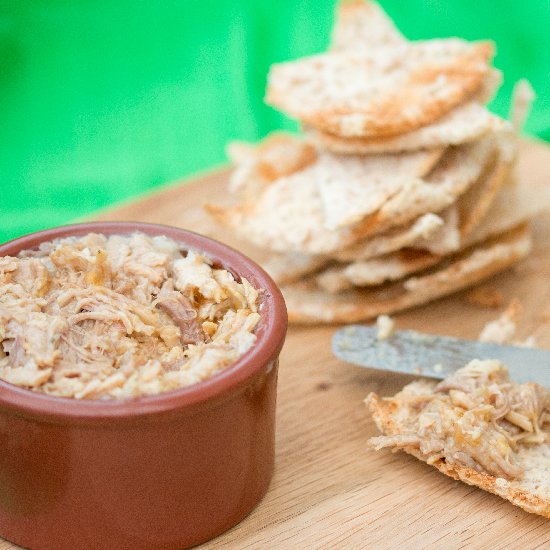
<point x="411" y="352"/>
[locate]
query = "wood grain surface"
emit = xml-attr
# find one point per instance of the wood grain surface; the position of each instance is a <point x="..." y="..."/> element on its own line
<point x="329" y="491"/>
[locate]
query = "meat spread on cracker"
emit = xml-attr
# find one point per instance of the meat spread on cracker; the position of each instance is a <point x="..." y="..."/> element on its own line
<point x="477" y="426"/>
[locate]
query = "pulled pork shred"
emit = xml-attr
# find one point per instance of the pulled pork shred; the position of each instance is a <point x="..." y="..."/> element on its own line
<point x="476" y="417"/>
<point x="101" y="317"/>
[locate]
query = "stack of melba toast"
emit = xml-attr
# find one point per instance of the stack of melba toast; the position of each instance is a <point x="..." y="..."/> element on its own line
<point x="400" y="188"/>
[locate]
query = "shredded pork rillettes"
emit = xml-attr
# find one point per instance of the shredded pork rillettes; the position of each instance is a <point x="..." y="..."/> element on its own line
<point x="119" y="316"/>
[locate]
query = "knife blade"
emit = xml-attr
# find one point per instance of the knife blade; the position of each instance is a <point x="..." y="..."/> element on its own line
<point x="433" y="356"/>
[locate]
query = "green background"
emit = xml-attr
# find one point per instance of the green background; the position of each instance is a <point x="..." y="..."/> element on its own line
<point x="101" y="101"/>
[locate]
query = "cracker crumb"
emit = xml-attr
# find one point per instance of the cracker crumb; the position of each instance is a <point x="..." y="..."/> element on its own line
<point x="503" y="329"/>
<point x="523" y="96"/>
<point x="386" y="327"/>
<point x="529" y="342"/>
<point x="438" y="367"/>
<point x="485" y="297"/>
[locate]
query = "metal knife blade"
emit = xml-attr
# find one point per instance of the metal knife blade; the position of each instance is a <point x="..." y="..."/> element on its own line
<point x="411" y="352"/>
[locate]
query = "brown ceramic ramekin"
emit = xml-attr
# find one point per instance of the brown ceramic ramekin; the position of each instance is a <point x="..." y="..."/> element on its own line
<point x="159" y="472"/>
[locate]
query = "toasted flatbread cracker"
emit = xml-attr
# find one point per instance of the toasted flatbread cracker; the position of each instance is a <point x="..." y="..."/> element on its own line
<point x="425" y="254"/>
<point x="291" y="216"/>
<point x="489" y="86"/>
<point x="288" y="214"/>
<point x="379" y="92"/>
<point x="362" y="24"/>
<point x="438" y="234"/>
<point x="287" y="268"/>
<point x="474" y="204"/>
<point x="421" y="229"/>
<point x="285" y="217"/>
<point x="471" y="208"/>
<point x="281" y="155"/>
<point x="503" y="249"/>
<point x="306" y="303"/>
<point x="512" y="206"/>
<point x="290" y="267"/>
<point x="459" y="168"/>
<point x="278" y="148"/>
<point x="357" y="186"/>
<point x="256" y="166"/>
<point x="465" y="123"/>
<point x="392" y="417"/>
<point x="239" y="152"/>
<point x="392" y="267"/>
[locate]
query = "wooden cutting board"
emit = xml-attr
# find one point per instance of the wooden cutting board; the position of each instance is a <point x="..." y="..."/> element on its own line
<point x="328" y="490"/>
